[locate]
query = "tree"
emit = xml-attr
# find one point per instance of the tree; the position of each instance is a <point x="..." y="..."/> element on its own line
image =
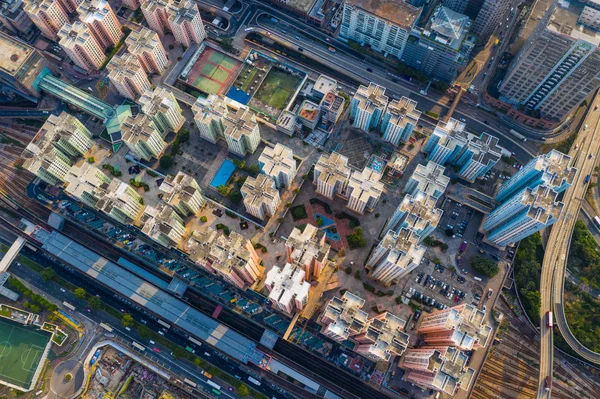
<point x="94" y="302"/>
<point x="127" y="320"/>
<point x="47" y="274"/>
<point x="144" y="331"/>
<point x="485" y="266"/>
<point x="235" y="196"/>
<point x="449" y="232"/>
<point x="223" y="190"/>
<point x="178" y="352"/>
<point x="356" y="240"/>
<point x="253" y="170"/>
<point x="166" y="161"/>
<point x="243" y="390"/>
<point x="226" y="44"/>
<point x="319" y="222"/>
<point x="79" y="293"/>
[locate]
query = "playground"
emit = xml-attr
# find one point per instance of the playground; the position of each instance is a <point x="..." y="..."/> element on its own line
<point x="213" y="72"/>
<point x="21" y="351"/>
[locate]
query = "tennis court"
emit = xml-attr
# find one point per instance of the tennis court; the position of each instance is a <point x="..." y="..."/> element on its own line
<point x="21" y="350"/>
<point x="213" y="72"/>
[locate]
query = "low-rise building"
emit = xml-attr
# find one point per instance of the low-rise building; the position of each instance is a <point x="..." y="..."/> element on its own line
<point x="86" y="183"/>
<point x="126" y="73"/>
<point x="142" y="137"/>
<point x="428" y="178"/>
<point x="261" y="198"/>
<point x="232" y="257"/>
<point x="323" y="86"/>
<point x="121" y="202"/>
<point x="81" y="47"/>
<point x="163" y="225"/>
<point x="147" y="47"/>
<point x="331" y="175"/>
<point x="309" y="114"/>
<point x="364" y="190"/>
<point x="344" y="317"/>
<point x="288" y="289"/>
<point x="417" y="213"/>
<point x="383" y="338"/>
<point x="279" y="164"/>
<point x="332" y="108"/>
<point x="286" y="123"/>
<point x="164" y="109"/>
<point x="307" y="249"/>
<point x="367" y="106"/>
<point x="100" y="18"/>
<point x="399" y="120"/>
<point x="182" y="193"/>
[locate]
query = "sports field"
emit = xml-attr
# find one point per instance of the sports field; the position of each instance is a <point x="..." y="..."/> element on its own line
<point x="275" y="91"/>
<point x="213" y="72"/>
<point x="21" y="349"/>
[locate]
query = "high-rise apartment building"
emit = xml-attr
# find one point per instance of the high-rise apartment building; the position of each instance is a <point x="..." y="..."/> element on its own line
<point x="344" y="317"/>
<point x="367" y="106"/>
<point x="557" y="68"/>
<point x="81" y="47"/>
<point x="70" y="6"/>
<point x="417" y="213"/>
<point x="399" y="120"/>
<point x="490" y="16"/>
<point x="128" y="76"/>
<point x="383" y="338"/>
<point x="442" y="48"/>
<point x="428" y="178"/>
<point x="182" y="193"/>
<point x="442" y="145"/>
<point x="142" y="137"/>
<point x="14" y="18"/>
<point x="590" y="15"/>
<point x="181" y="17"/>
<point x="383" y="25"/>
<point x="66" y="133"/>
<point x="288" y="289"/>
<point x="279" y="164"/>
<point x="261" y="198"/>
<point x="221" y="118"/>
<point x="156" y="15"/>
<point x="86" y="183"/>
<point x="132" y="4"/>
<point x="523" y="214"/>
<point x="232" y="257"/>
<point x="49" y="16"/>
<point x="461" y="326"/>
<point x="145" y="44"/>
<point x="121" y="202"/>
<point x="307" y="249"/>
<point x="100" y="18"/>
<point x="552" y="169"/>
<point x="164" y="109"/>
<point x="331" y="175"/>
<point x="395" y="256"/>
<point x="162" y="224"/>
<point x="364" y="190"/>
<point x="46" y="162"/>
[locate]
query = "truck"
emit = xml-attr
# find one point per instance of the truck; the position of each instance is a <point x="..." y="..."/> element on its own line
<point x="331" y="49"/>
<point x="518" y="135"/>
<point x="549" y="319"/>
<point x="463" y="246"/>
<point x="587" y="179"/>
<point x="548" y="384"/>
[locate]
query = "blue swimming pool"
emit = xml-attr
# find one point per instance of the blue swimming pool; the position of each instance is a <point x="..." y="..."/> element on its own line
<point x="223" y="174"/>
<point x="328" y="227"/>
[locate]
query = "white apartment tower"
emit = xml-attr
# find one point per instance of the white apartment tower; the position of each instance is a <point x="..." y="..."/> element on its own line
<point x="417" y="213"/>
<point x="49" y="16"/>
<point x="128" y="76"/>
<point x="331" y="175"/>
<point x="66" y="133"/>
<point x="145" y="44"/>
<point x="261" y="198"/>
<point x="163" y="225"/>
<point x="86" y="183"/>
<point x="307" y="249"/>
<point x="99" y="17"/>
<point x="344" y="317"/>
<point x="367" y="106"/>
<point x="288" y="289"/>
<point x="279" y="164"/>
<point x="428" y="178"/>
<point x="81" y="47"/>
<point x="46" y="162"/>
<point x="399" y="120"/>
<point x="164" y="109"/>
<point x="183" y="193"/>
<point x="156" y="15"/>
<point x="121" y="202"/>
<point x="142" y="137"/>
<point x="364" y="190"/>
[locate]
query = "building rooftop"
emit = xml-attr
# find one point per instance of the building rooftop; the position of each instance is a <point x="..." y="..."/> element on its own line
<point x="324" y="84"/>
<point x="557" y="168"/>
<point x="332" y="168"/>
<point x="396" y="12"/>
<point x="182" y="10"/>
<point x="403" y="112"/>
<point x="564" y="20"/>
<point x="73" y="35"/>
<point x="287" y="284"/>
<point x="142" y="40"/>
<point x="85" y="178"/>
<point x="335" y="101"/>
<point x="277" y="160"/>
<point x="421" y="211"/>
<point x="161" y="221"/>
<point x="260" y="191"/>
<point x="431" y="178"/>
<point x="543" y="205"/>
<point x="123" y="66"/>
<point x="344" y="316"/>
<point x="304" y="6"/>
<point x="404" y="248"/>
<point x="90" y="11"/>
<point x="138" y="128"/>
<point x="179" y="188"/>
<point x="14" y="54"/>
<point x="287" y="120"/>
<point x="447" y="27"/>
<point x="486" y="149"/>
<point x="386" y="333"/>
<point x="309" y="111"/>
<point x="158" y="100"/>
<point x="371" y="97"/>
<point x="307" y="245"/>
<point x="365" y="185"/>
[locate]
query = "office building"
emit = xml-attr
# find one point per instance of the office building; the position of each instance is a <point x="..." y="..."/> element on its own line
<point x="557" y="68"/>
<point x="443" y="47"/>
<point x="81" y="47"/>
<point x="523" y="214"/>
<point x="552" y="169"/>
<point x="383" y="338"/>
<point x="142" y="138"/>
<point x="461" y="326"/>
<point x="49" y="16"/>
<point x="308" y="114"/>
<point x="331" y="175"/>
<point x="121" y="202"/>
<point x="162" y="224"/>
<point x="46" y="162"/>
<point x="364" y="190"/>
<point x="442" y="368"/>
<point x="344" y="317"/>
<point x="132" y="4"/>
<point x="145" y="44"/>
<point x="446" y="141"/>
<point x="261" y="198"/>
<point x="66" y="133"/>
<point x="383" y="25"/>
<point x="490" y="16"/>
<point x="232" y="257"/>
<point x="100" y="18"/>
<point x="332" y="108"/>
<point x="128" y="76"/>
<point x="288" y="289"/>
<point x="286" y="123"/>
<point x="14" y="18"/>
<point x="222" y="118"/>
<point x="279" y="164"/>
<point x="417" y="213"/>
<point x="182" y="193"/>
<point x="86" y="183"/>
<point x="307" y="249"/>
<point x="367" y="106"/>
<point x="395" y="256"/>
<point x="185" y="22"/>
<point x="164" y="109"/>
<point x="323" y="86"/>
<point x="428" y="178"/>
<point x="399" y="120"/>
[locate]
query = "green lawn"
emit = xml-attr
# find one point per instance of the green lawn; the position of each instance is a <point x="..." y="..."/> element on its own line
<point x="277" y="88"/>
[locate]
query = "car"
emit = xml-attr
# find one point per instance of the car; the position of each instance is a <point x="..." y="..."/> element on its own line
<point x="300" y="49"/>
<point x="128" y="329"/>
<point x="63" y="290"/>
<point x="327" y="39"/>
<point x="122" y="310"/>
<point x="144" y="321"/>
<point x="88" y="310"/>
<point x="369" y="70"/>
<point x="297" y="37"/>
<point x="152" y="342"/>
<point x="161" y="333"/>
<point x="463" y="120"/>
<point x="486" y="122"/>
<point x="230" y="388"/>
<point x="590" y="156"/>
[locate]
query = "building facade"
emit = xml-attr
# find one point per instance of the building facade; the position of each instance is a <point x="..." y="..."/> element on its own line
<point x="331" y="175"/>
<point x="100" y="18"/>
<point x="162" y="224"/>
<point x="142" y="137"/>
<point x="14" y="17"/>
<point x="164" y="109"/>
<point x="418" y="213"/>
<point x="128" y="76"/>
<point x="145" y="44"/>
<point x="121" y="202"/>
<point x="367" y="106"/>
<point x="399" y="120"/>
<point x="49" y="16"/>
<point x="364" y="190"/>
<point x="490" y="16"/>
<point x="81" y="47"/>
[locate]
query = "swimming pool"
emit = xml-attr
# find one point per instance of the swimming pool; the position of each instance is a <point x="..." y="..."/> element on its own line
<point x="328" y="227"/>
<point x="223" y="174"/>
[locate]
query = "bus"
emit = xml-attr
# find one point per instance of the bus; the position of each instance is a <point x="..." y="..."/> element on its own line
<point x="195" y="341"/>
<point x="212" y="384"/>
<point x="138" y="346"/>
<point x="254" y="381"/>
<point x="68" y="305"/>
<point x="597" y="221"/>
<point x="190" y="383"/>
<point x="162" y="323"/>
<point x="518" y="135"/>
<point x="549" y="319"/>
<point x="106" y="327"/>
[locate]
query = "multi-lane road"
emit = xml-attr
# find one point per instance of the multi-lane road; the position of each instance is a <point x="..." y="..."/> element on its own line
<point x="585" y="152"/>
